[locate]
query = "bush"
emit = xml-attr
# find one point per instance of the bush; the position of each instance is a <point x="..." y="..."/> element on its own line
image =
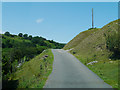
<point x="113" y="43"/>
<point x="20" y="34"/>
<point x="30" y="37"/>
<point x="7" y="33"/>
<point x="25" y="36"/>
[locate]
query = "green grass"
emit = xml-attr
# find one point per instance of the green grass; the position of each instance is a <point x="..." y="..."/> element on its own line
<point x="34" y="73"/>
<point x="79" y="38"/>
<point x="105" y="69"/>
<point x="90" y="45"/>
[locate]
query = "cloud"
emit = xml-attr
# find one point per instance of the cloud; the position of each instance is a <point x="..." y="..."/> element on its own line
<point x="39" y="20"/>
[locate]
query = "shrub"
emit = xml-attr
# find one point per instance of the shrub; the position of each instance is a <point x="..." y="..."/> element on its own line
<point x="20" y="34"/>
<point x="25" y="36"/>
<point x="7" y="33"/>
<point x="113" y="42"/>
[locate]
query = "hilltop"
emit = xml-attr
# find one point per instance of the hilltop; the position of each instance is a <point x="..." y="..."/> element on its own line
<point x="92" y="41"/>
<point x="96" y="48"/>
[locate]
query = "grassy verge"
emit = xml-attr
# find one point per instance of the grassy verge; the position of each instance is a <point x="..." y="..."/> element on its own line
<point x="34" y="73"/>
<point x="105" y="69"/>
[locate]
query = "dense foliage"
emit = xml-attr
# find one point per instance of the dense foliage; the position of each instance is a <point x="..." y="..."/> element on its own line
<point x="16" y="49"/>
<point x="113" y="43"/>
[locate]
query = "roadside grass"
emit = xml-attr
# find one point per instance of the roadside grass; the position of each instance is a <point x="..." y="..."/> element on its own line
<point x="34" y="73"/>
<point x="106" y="69"/>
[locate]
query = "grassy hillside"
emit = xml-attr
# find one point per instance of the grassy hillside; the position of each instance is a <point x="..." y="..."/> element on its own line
<point x="90" y="45"/>
<point x="79" y="38"/>
<point x="32" y="74"/>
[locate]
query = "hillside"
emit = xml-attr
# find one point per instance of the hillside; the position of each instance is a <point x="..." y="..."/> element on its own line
<point x="21" y="48"/>
<point x="32" y="74"/>
<point x="91" y="48"/>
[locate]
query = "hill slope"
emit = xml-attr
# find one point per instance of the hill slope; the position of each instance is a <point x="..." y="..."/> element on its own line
<point x="18" y="49"/>
<point x="32" y="74"/>
<point x="91" y="49"/>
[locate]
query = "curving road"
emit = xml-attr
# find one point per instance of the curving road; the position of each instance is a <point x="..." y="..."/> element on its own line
<point x="69" y="72"/>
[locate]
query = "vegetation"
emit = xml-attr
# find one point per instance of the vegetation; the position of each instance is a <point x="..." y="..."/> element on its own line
<point x="33" y="73"/>
<point x="101" y="45"/>
<point x="21" y="48"/>
<point x="113" y="44"/>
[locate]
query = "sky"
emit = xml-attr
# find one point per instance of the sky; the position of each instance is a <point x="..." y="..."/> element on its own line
<point x="60" y="0"/>
<point x="58" y="21"/>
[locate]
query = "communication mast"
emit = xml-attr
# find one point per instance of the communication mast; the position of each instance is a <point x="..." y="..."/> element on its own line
<point x="92" y="19"/>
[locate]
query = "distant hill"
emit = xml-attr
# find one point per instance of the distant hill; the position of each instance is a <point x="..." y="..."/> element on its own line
<point x="100" y="46"/>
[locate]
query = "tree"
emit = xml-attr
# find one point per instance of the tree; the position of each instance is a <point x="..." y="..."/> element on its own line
<point x="7" y="33"/>
<point x="3" y="45"/>
<point x="35" y="40"/>
<point x="20" y="35"/>
<point x="113" y="43"/>
<point x="25" y="36"/>
<point x="30" y="37"/>
<point x="8" y="44"/>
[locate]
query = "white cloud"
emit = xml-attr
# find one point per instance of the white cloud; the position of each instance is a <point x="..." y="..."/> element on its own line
<point x="39" y="20"/>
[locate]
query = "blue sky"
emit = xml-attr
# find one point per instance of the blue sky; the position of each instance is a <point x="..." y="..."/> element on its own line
<point x="60" y="22"/>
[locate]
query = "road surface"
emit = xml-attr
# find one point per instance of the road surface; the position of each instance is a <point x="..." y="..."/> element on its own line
<point x="69" y="72"/>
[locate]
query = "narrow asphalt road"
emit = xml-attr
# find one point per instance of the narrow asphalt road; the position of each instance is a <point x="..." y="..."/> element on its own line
<point x="69" y="72"/>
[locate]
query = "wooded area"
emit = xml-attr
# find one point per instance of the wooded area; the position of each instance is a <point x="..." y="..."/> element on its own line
<point x="17" y="49"/>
